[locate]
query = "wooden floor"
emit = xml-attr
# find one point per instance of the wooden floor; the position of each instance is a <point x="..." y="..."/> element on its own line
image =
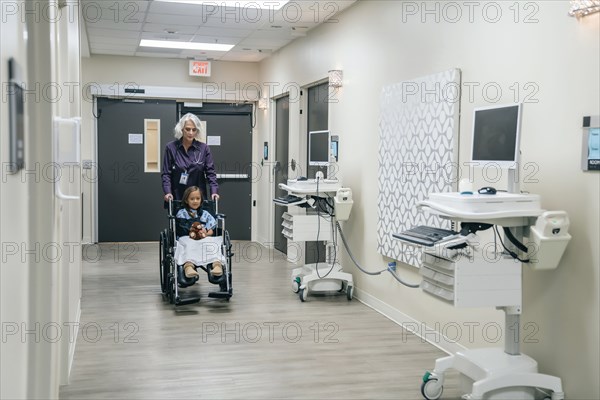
<point x="263" y="344"/>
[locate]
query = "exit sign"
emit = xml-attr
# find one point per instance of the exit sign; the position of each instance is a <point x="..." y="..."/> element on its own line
<point x="199" y="68"/>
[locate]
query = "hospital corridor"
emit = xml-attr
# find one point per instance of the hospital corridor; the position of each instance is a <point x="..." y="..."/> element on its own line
<point x="341" y="199"/>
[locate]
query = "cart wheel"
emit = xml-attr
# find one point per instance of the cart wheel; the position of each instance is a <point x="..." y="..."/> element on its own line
<point x="432" y="389"/>
<point x="349" y="292"/>
<point x="296" y="284"/>
<point x="303" y="294"/>
<point x="342" y="288"/>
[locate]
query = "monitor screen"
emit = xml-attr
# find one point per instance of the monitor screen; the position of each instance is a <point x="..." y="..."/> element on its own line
<point x="318" y="148"/>
<point x="496" y="132"/>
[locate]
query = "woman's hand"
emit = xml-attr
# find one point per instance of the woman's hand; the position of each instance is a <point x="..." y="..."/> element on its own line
<point x="168" y="197"/>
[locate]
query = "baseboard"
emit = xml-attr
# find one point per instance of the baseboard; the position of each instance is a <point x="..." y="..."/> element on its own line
<point x="73" y="345"/>
<point x="410" y="324"/>
<point x="264" y="242"/>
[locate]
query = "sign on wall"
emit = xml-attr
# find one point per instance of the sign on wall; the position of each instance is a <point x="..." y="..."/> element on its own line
<point x="418" y="154"/>
<point x="199" y="68"/>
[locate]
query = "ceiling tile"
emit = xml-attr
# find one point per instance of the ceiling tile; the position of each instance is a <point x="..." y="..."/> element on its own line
<point x="113" y="26"/>
<point x="111" y="33"/>
<point x="165" y="28"/>
<point x="174" y="20"/>
<point x="165" y="36"/>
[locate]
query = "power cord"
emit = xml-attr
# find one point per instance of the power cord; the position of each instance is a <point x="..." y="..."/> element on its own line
<point x="510" y="252"/>
<point x="389" y="268"/>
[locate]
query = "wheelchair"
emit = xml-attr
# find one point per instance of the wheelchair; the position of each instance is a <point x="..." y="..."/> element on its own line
<point x="172" y="277"/>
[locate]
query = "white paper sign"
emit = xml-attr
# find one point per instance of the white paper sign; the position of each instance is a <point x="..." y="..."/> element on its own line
<point x="213" y="140"/>
<point x="136" y="138"/>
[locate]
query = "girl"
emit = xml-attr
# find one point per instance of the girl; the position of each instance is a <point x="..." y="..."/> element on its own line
<point x="192" y="212"/>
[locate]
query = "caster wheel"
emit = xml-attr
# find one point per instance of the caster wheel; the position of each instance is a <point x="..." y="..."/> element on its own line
<point x="343" y="288"/>
<point x="296" y="284"/>
<point x="303" y="294"/>
<point x="349" y="292"/>
<point x="432" y="389"/>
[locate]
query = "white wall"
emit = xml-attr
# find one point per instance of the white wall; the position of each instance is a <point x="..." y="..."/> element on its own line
<point x="67" y="69"/>
<point x="14" y="274"/>
<point x="41" y="265"/>
<point x="535" y="53"/>
<point x="235" y="81"/>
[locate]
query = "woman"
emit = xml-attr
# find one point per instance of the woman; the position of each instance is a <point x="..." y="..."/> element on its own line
<point x="188" y="162"/>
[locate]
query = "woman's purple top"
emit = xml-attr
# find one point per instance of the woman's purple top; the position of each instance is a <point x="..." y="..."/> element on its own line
<point x="197" y="162"/>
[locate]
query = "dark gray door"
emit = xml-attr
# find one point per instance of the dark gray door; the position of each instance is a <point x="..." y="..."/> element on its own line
<point x="231" y="126"/>
<point x="280" y="165"/>
<point x="130" y="201"/>
<point x="318" y="120"/>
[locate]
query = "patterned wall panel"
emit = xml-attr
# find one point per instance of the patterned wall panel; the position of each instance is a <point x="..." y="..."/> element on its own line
<point x="418" y="154"/>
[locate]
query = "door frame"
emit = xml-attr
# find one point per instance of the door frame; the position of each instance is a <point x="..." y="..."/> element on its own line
<point x="225" y="109"/>
<point x="275" y="157"/>
<point x="159" y="93"/>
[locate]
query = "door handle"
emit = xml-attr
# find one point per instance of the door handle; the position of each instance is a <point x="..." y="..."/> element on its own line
<point x="66" y="153"/>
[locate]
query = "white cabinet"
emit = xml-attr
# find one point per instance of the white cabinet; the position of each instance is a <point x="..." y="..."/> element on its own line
<point x="472" y="281"/>
<point x="309" y="227"/>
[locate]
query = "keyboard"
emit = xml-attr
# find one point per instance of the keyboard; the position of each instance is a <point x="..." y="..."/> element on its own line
<point x="289" y="199"/>
<point x="425" y="235"/>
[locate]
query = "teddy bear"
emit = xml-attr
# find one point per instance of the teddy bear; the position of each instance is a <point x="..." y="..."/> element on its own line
<point x="197" y="231"/>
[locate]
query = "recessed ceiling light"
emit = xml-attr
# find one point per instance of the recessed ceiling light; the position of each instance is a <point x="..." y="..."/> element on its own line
<point x="171" y="44"/>
<point x="266" y="5"/>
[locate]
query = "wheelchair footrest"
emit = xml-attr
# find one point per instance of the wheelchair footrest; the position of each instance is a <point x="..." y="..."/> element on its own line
<point x="187" y="300"/>
<point x="216" y="279"/>
<point x="219" y="295"/>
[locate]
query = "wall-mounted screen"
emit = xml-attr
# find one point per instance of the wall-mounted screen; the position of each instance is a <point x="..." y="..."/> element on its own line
<point x="496" y="135"/>
<point x="319" y="145"/>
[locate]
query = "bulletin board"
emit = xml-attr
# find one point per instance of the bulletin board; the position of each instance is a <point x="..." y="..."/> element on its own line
<point x="418" y="154"/>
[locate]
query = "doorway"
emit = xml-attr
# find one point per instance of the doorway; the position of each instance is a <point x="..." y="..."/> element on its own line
<point x="317" y="120"/>
<point x="130" y="200"/>
<point x="229" y="136"/>
<point x="280" y="166"/>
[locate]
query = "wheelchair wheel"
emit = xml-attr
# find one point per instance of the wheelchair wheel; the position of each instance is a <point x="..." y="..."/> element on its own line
<point x="164" y="266"/>
<point x="171" y="288"/>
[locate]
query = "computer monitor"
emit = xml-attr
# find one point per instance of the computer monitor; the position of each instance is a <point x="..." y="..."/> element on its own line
<point x="319" y="144"/>
<point x="496" y="135"/>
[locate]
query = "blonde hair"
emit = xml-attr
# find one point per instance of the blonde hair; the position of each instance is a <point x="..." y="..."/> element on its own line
<point x="178" y="131"/>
